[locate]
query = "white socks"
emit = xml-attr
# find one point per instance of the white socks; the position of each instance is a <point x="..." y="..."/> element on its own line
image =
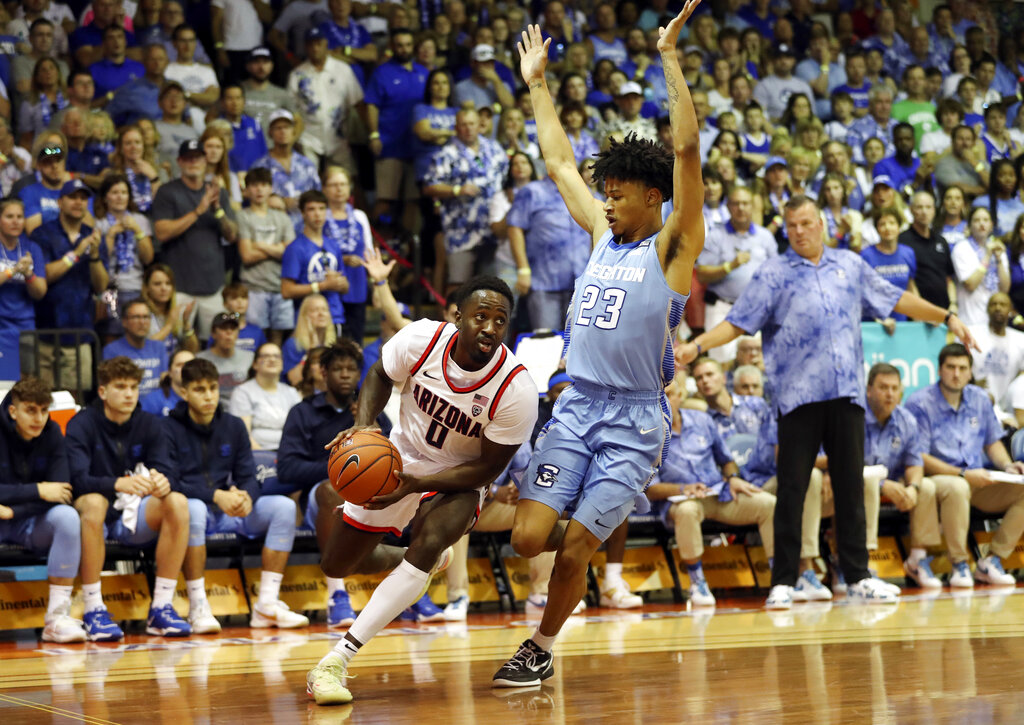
<point x="334" y="585"/>
<point x="613" y="577"/>
<point x="543" y="641"/>
<point x="394" y="595"/>
<point x="196" y="590"/>
<point x="916" y="555"/>
<point x="59" y="595"/>
<point x="92" y="597"/>
<point x="163" y="591"/>
<point x="270" y="588"/>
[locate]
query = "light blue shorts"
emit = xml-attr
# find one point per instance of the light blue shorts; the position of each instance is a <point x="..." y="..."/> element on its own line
<point x="270" y="311"/>
<point x="597" y="454"/>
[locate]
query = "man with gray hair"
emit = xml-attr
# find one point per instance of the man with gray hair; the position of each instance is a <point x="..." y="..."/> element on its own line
<point x="879" y="124"/>
<point x="748" y="380"/>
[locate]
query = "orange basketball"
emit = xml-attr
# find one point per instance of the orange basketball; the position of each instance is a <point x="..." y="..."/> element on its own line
<point x="364" y="466"/>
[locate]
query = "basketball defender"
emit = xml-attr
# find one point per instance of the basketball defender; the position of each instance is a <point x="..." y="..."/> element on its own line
<point x="609" y="429"/>
<point x="467" y="405"/>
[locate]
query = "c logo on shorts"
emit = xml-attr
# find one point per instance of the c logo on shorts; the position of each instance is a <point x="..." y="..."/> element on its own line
<point x="547" y="475"/>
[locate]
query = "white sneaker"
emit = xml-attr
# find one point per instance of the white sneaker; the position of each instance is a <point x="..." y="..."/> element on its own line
<point x="873" y="591"/>
<point x="700" y="595"/>
<point x="990" y="571"/>
<point x="536" y="603"/>
<point x="921" y="572"/>
<point x="580" y="608"/>
<point x="277" y="615"/>
<point x="619" y="597"/>
<point x="780" y="597"/>
<point x="458" y="610"/>
<point x="810" y="589"/>
<point x="961" y="576"/>
<point x="61" y="627"/>
<point x="201" y="618"/>
<point x="886" y="585"/>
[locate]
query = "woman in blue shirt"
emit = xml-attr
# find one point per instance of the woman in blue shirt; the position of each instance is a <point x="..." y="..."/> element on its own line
<point x="350" y="229"/>
<point x="894" y="262"/>
<point x="1003" y="197"/>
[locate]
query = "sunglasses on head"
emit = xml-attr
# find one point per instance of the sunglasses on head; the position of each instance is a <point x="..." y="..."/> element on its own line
<point x="52" y="152"/>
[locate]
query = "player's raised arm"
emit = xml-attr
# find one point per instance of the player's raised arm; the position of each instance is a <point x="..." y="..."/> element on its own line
<point x="554" y="144"/>
<point x="682" y="237"/>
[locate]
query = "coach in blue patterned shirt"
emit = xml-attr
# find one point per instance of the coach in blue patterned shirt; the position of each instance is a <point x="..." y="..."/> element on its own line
<point x="807" y="304"/>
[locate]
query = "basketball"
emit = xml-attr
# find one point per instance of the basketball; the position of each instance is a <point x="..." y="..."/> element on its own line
<point x="364" y="466"/>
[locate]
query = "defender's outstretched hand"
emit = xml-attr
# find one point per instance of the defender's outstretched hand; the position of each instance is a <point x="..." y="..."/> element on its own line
<point x="533" y="54"/>
<point x="669" y="36"/>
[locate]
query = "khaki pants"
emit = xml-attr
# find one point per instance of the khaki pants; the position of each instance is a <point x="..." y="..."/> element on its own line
<point x="758" y="508"/>
<point x="65" y="376"/>
<point x="1006" y="499"/>
<point x="207" y="307"/>
<point x="947" y="498"/>
<point x="872" y="503"/>
<point x="811" y="522"/>
<point x="495" y="516"/>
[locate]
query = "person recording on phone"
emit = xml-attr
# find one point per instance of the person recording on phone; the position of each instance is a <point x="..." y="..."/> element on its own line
<point x="191" y="216"/>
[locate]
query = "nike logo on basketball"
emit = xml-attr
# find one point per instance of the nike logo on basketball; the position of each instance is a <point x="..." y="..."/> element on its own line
<point x="645" y="431"/>
<point x="353" y="457"/>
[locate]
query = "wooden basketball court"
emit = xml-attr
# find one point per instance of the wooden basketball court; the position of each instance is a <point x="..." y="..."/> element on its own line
<point x="930" y="659"/>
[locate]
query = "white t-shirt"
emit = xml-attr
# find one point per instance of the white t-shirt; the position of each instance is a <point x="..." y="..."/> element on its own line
<point x="268" y="410"/>
<point x="973" y="305"/>
<point x="1015" y="395"/>
<point x="193" y="77"/>
<point x="324" y="99"/>
<point x="1000" y="361"/>
<point x="242" y="27"/>
<point x="446" y="410"/>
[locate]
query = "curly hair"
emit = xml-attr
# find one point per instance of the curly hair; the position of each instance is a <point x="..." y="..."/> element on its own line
<point x="31" y="389"/>
<point x="118" y="368"/>
<point x="341" y="349"/>
<point x="636" y="159"/>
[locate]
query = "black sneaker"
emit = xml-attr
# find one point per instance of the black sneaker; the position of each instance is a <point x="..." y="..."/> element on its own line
<point x="530" y="665"/>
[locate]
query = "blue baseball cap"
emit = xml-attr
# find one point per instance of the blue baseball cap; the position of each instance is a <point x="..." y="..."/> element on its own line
<point x="775" y="161"/>
<point x="73" y="187"/>
<point x="558" y="378"/>
<point x="883" y="179"/>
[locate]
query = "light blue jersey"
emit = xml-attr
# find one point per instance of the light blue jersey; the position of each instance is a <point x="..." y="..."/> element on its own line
<point x="622" y="319"/>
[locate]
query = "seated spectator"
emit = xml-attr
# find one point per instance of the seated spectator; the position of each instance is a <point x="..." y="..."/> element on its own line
<point x="198" y="80"/>
<point x="950" y="114"/>
<point x="959" y="429"/>
<point x="228" y="497"/>
<point x="894" y="262"/>
<point x="85" y="159"/>
<point x="20" y="259"/>
<point x="483" y="87"/>
<point x="732" y="254"/>
<point x="149" y="355"/>
<point x="114" y="69"/>
<point x="313" y="328"/>
<point x="843" y="224"/>
<point x="250" y="141"/>
<point x="903" y="167"/>
<point x="982" y="267"/>
<point x="311" y="264"/>
<point x="161" y="402"/>
<point x="878" y="123"/>
<point x="263" y="235"/>
<point x="699" y="467"/>
<point x="263" y="401"/>
<point x="76" y="269"/>
<point x="36" y="487"/>
<point x="773" y="91"/>
<point x="236" y="302"/>
<point x="512" y="136"/>
<point x="15" y="161"/>
<point x="302" y="456"/>
<point x="629" y="100"/>
<point x="44" y="40"/>
<point x="1003" y="197"/>
<point x="291" y="172"/>
<point x="963" y="166"/>
<point x="171" y="16"/>
<point x="916" y="108"/>
<point x="231" y="362"/>
<point x="80" y="94"/>
<point x="169" y="321"/>
<point x="140" y="97"/>
<point x="1002" y="354"/>
<point x="140" y="168"/>
<point x="749" y="380"/>
<point x="173" y="127"/>
<point x="41" y="197"/>
<point x="998" y="140"/>
<point x="128" y="237"/>
<point x="118" y="455"/>
<point x="45" y="97"/>
<point x="87" y="41"/>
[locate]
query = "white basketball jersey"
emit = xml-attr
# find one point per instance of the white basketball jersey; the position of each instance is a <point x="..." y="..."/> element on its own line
<point x="445" y="410"/>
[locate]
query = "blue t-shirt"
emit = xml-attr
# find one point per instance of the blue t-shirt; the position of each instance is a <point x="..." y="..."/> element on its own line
<point x="423" y="153"/>
<point x="156" y="403"/>
<point x="91" y="160"/>
<point x="109" y="76"/>
<point x="250" y="144"/>
<point x="305" y="262"/>
<point x="859" y="95"/>
<point x="395" y="91"/>
<point x="291" y="356"/>
<point x="91" y="35"/>
<point x="38" y="199"/>
<point x="152" y="358"/>
<point x="69" y="300"/>
<point x="898" y="268"/>
<point x="901" y="175"/>
<point x="17" y="310"/>
<point x="353" y="36"/>
<point x="352" y="239"/>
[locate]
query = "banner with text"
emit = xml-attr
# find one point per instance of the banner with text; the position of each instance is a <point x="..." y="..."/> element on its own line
<point x="913" y="349"/>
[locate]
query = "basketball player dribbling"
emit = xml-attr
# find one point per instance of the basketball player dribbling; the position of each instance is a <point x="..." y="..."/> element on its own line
<point x="606" y="436"/>
<point x="466" y="407"/>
